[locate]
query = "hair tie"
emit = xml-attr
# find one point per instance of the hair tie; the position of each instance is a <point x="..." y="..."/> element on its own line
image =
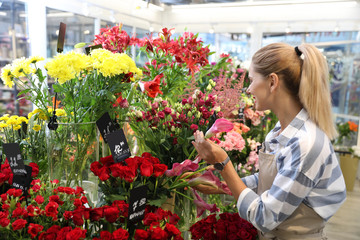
<point x="298" y="52"/>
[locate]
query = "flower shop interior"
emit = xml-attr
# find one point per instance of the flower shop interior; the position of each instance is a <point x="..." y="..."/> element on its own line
<point x="99" y="101"/>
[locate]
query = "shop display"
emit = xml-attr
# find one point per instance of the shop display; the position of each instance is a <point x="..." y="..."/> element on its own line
<point x="104" y="104"/>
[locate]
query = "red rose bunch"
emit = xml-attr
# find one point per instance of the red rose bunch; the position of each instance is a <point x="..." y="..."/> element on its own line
<point x="223" y="226"/>
<point x="117" y="179"/>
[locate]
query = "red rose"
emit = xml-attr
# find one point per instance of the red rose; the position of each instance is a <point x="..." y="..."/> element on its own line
<point x="19" y="211"/>
<point x="111" y="214"/>
<point x="94" y="167"/>
<point x="150" y="218"/>
<point x="146" y="168"/>
<point x="76" y="234"/>
<point x="141" y="234"/>
<point x="39" y="199"/>
<point x="105" y="235"/>
<point x="172" y="230"/>
<point x="19" y="224"/>
<point x="194" y="127"/>
<point x="161" y="114"/>
<point x="167" y="110"/>
<point x="173" y="218"/>
<point x="220" y="229"/>
<point x="56" y="198"/>
<point x="107" y="161"/>
<point x="51" y="209"/>
<point x="96" y="214"/>
<point x="34" y="229"/>
<point x="158" y="233"/>
<point x="4" y="222"/>
<point x="159" y="169"/>
<point x="78" y="217"/>
<point x="120" y="234"/>
<point x="35" y="169"/>
<point x="5" y="206"/>
<point x="243" y="234"/>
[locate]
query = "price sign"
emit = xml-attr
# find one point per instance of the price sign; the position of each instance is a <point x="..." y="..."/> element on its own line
<point x="23" y="181"/>
<point x="137" y="204"/>
<point x="12" y="152"/>
<point x="61" y="37"/>
<point x="118" y="145"/>
<point x="106" y="125"/>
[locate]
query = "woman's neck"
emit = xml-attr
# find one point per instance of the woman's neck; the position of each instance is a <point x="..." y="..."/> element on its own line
<point x="287" y="111"/>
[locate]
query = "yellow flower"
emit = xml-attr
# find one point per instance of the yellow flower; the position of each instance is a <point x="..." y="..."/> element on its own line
<point x="60" y="112"/>
<point x="35" y="59"/>
<point x="36" y="127"/>
<point x="43" y="116"/>
<point x="6" y="76"/>
<point x="5" y="117"/>
<point x="21" y="67"/>
<point x="11" y="121"/>
<point x="23" y="119"/>
<point x="30" y="114"/>
<point x="3" y="125"/>
<point x="38" y="110"/>
<point x="65" y="67"/>
<point x="16" y="127"/>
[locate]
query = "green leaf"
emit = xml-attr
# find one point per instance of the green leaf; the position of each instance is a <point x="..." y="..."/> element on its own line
<point x="81" y="44"/>
<point x="159" y="201"/>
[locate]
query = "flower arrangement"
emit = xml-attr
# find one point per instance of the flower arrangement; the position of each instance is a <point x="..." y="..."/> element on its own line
<point x="166" y="130"/>
<point x="346" y="130"/>
<point x="223" y="226"/>
<point x="51" y="211"/>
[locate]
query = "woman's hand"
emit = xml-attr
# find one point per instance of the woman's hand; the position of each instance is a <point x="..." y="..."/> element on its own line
<point x="208" y="150"/>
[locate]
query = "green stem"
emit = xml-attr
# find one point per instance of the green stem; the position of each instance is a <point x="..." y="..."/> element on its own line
<point x="186" y="196"/>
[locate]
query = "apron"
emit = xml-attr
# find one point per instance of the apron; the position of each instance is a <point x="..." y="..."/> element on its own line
<point x="304" y="223"/>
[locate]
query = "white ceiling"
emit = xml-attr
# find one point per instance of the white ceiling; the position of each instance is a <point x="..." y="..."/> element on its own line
<point x="235" y="16"/>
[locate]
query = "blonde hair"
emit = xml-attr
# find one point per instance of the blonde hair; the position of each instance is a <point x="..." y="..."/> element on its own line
<point x="307" y="79"/>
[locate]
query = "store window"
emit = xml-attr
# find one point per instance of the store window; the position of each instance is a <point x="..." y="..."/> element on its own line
<point x="14" y="43"/>
<point x="78" y="29"/>
<point x="141" y="58"/>
<point x="235" y="44"/>
<point x="342" y="52"/>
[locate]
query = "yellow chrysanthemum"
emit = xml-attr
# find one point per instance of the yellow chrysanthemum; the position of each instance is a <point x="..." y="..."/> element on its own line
<point x="43" y="116"/>
<point x="35" y="59"/>
<point x="111" y="64"/>
<point x="38" y="110"/>
<point x="65" y="67"/>
<point x="4" y="117"/>
<point x="6" y="76"/>
<point x="30" y="114"/>
<point x="23" y="119"/>
<point x="11" y="121"/>
<point x="16" y="127"/>
<point x="60" y="112"/>
<point x="3" y="125"/>
<point x="36" y="127"/>
<point x="21" y="67"/>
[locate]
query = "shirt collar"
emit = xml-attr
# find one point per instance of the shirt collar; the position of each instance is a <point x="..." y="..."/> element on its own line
<point x="294" y="126"/>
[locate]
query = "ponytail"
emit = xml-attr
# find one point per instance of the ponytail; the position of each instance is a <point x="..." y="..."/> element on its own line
<point x="305" y="74"/>
<point x="314" y="90"/>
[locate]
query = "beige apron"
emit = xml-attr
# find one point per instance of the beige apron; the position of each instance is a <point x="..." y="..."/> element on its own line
<point x="304" y="223"/>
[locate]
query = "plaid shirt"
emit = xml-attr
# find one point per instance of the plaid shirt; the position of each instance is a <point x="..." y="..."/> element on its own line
<point x="308" y="172"/>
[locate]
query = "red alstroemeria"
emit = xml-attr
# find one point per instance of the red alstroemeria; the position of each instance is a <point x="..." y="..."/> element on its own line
<point x="152" y="88"/>
<point x="220" y="125"/>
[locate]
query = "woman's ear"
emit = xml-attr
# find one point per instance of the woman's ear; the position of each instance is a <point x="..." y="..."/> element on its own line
<point x="273" y="81"/>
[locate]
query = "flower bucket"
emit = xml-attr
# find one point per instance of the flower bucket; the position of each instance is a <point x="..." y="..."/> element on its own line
<point x="71" y="149"/>
<point x="349" y="165"/>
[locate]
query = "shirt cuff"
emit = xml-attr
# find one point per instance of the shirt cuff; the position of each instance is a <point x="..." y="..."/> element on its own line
<point x="246" y="198"/>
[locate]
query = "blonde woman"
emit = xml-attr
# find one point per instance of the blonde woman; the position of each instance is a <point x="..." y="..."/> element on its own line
<point x="299" y="185"/>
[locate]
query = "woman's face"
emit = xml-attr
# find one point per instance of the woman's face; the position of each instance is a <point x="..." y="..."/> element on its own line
<point x="260" y="89"/>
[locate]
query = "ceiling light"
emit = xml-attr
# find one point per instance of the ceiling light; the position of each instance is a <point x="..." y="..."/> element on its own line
<point x="151" y="29"/>
<point x="211" y="30"/>
<point x="87" y="32"/>
<point x="287" y="29"/>
<point x="3" y="14"/>
<point x="336" y="29"/>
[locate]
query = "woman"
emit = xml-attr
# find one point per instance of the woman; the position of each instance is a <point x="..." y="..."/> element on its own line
<point x="299" y="185"/>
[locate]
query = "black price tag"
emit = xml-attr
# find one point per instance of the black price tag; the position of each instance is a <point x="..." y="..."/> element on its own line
<point x="23" y="181"/>
<point x="118" y="145"/>
<point x="241" y="114"/>
<point x="106" y="125"/>
<point x="90" y="48"/>
<point x="12" y="152"/>
<point x="137" y="204"/>
<point x="61" y="37"/>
